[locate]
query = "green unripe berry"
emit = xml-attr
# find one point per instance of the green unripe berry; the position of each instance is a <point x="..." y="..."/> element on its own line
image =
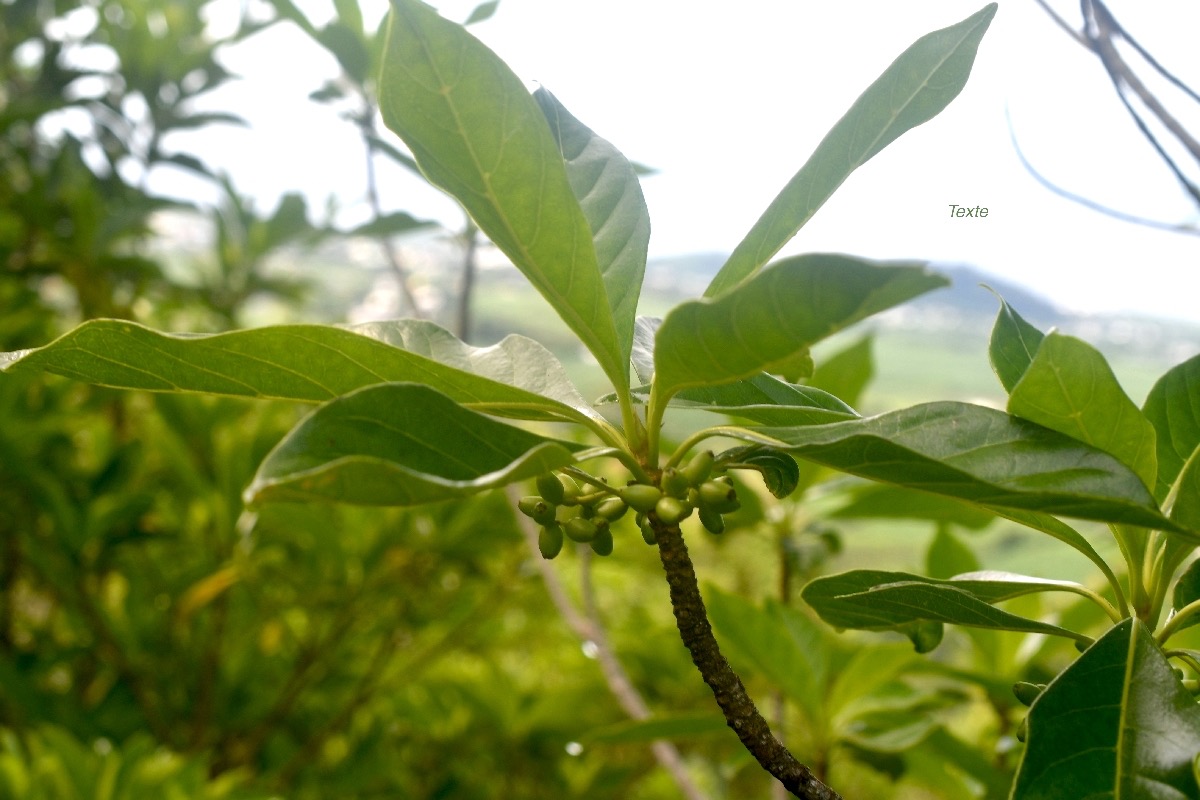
<point x="571" y="490"/>
<point x="699" y="468"/>
<point x="611" y="508"/>
<point x="711" y="520"/>
<point x="581" y="530"/>
<point x="640" y="496"/>
<point x="672" y="510"/>
<point x="602" y="545"/>
<point x="1026" y="692"/>
<point x="537" y="509"/>
<point x="648" y="535"/>
<point x="674" y="483"/>
<point x="719" y="496"/>
<point x="550" y="540"/>
<point x="550" y="488"/>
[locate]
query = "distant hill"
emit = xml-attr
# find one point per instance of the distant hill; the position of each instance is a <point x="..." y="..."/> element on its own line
<point x="965" y="307"/>
<point x="678" y="278"/>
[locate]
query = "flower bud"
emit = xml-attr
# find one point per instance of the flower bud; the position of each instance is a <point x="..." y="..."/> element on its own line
<point x="550" y="540"/>
<point x="550" y="488"/>
<point x="699" y="468"/>
<point x="537" y="509"/>
<point x="640" y="496"/>
<point x="672" y="510"/>
<point x="581" y="530"/>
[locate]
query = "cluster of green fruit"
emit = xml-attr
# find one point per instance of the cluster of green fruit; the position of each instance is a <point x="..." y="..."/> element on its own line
<point x="565" y="510"/>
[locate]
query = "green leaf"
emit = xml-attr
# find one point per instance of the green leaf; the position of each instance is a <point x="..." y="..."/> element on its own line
<point x="1187" y="591"/>
<point x="1173" y="408"/>
<point x="393" y="224"/>
<point x="846" y="373"/>
<point x="478" y="134"/>
<point x="312" y="363"/>
<point x="779" y="643"/>
<point x="482" y="12"/>
<point x="1070" y="388"/>
<point x="644" y="329"/>
<point x="779" y="471"/>
<point x="976" y="454"/>
<point x="400" y="444"/>
<point x="349" y="48"/>
<point x="1013" y="345"/>
<point x="914" y="89"/>
<point x="875" y="501"/>
<point x="682" y="726"/>
<point x="779" y="313"/>
<point x="1117" y="723"/>
<point x="1061" y="531"/>
<point x="610" y="195"/>
<point x="948" y="555"/>
<point x="350" y="15"/>
<point x="764" y="399"/>
<point x="877" y="600"/>
<point x="768" y="401"/>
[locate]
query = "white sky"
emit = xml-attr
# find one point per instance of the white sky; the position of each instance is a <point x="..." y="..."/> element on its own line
<point x="727" y="100"/>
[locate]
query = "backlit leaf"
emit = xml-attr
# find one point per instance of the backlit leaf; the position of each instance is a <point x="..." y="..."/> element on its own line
<point x="779" y="313"/>
<point x="1173" y="408"/>
<point x="610" y="195"/>
<point x="312" y="363"/>
<point x="1013" y="345"/>
<point x="1069" y="387"/>
<point x="477" y="133"/>
<point x="914" y="89"/>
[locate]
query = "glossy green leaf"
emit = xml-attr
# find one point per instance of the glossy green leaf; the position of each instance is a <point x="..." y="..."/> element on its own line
<point x="780" y="312"/>
<point x="878" y="600"/>
<point x="1173" y="408"/>
<point x="1117" y="724"/>
<point x="846" y="373"/>
<point x="976" y="454"/>
<point x="1187" y="591"/>
<point x="477" y="133"/>
<point x="914" y="89"/>
<point x="1070" y="388"/>
<point x="1013" y="345"/>
<point x="312" y="363"/>
<point x="400" y="444"/>
<point x="610" y="195"/>
<point x="779" y="471"/>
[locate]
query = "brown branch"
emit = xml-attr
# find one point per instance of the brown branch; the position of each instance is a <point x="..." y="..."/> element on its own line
<point x="390" y="255"/>
<point x="739" y="710"/>
<point x="589" y="629"/>
<point x="1188" y="230"/>
<point x="470" y="267"/>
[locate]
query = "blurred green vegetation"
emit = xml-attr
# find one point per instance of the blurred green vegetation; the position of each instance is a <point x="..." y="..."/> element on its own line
<point x="157" y="639"/>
